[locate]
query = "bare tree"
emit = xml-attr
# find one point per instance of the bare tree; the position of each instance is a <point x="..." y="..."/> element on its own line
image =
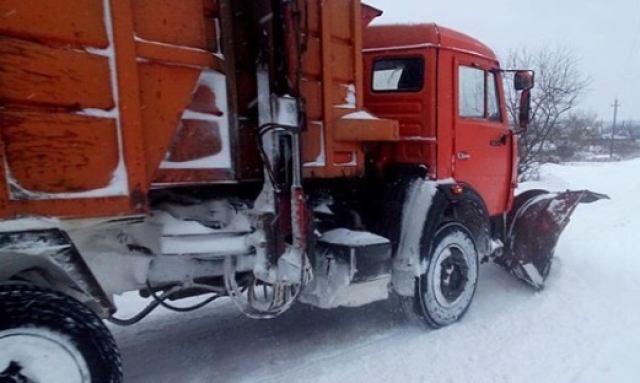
<point x="577" y="134"/>
<point x="559" y="86"/>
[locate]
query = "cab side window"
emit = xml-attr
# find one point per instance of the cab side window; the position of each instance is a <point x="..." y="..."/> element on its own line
<point x="398" y="74"/>
<point x="477" y="94"/>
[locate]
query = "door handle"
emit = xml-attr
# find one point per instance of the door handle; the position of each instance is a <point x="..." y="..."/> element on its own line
<point x="463" y="156"/>
<point x="501" y="142"/>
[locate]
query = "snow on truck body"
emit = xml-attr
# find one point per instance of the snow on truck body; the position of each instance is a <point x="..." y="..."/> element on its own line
<point x="270" y="152"/>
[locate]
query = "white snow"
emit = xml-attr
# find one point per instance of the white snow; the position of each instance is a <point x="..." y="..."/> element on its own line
<point x="534" y="274"/>
<point x="323" y="208"/>
<point x="205" y="245"/>
<point x="361" y="115"/>
<point x="321" y="159"/>
<point x="352" y="162"/>
<point x="185" y="220"/>
<point x="418" y="138"/>
<point x="414" y="212"/>
<point x="98" y="113"/>
<point x="218" y="38"/>
<point x="583" y="327"/>
<point x="350" y="98"/>
<point x="29" y="223"/>
<point x="182" y="47"/>
<point x="352" y="238"/>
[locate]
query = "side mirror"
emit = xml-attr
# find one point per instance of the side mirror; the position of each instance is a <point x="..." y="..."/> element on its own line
<point x="523" y="80"/>
<point x="524" y="115"/>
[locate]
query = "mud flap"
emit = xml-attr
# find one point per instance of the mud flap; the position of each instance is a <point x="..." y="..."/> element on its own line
<point x="533" y="228"/>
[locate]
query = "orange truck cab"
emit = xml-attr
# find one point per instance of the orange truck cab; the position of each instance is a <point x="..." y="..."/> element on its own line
<point x="446" y="91"/>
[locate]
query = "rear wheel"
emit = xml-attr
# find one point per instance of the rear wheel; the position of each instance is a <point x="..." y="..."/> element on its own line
<point x="445" y="290"/>
<point x="46" y="336"/>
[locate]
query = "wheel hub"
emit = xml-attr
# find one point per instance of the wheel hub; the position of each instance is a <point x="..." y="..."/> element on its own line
<point x="38" y="355"/>
<point x="453" y="276"/>
<point x="12" y="374"/>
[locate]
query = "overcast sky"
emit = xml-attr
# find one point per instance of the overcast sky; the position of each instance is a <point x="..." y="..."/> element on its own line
<point x="604" y="34"/>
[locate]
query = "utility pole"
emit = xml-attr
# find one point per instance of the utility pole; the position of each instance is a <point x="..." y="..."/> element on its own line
<point x="615" y="107"/>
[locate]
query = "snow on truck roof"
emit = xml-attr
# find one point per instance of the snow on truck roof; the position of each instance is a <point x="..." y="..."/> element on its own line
<point x="406" y="36"/>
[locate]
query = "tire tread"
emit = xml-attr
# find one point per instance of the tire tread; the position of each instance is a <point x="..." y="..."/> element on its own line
<point x="26" y="304"/>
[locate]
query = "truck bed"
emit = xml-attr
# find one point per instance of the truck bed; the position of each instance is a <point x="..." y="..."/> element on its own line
<point x="103" y="100"/>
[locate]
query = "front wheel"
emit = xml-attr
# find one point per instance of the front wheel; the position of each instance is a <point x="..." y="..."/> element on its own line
<point x="46" y="336"/>
<point x="444" y="291"/>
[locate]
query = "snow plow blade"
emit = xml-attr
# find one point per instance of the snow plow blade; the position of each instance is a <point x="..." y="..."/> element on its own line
<point x="533" y="228"/>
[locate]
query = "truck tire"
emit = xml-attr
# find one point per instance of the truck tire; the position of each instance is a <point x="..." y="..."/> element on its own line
<point x="445" y="290"/>
<point x="47" y="336"/>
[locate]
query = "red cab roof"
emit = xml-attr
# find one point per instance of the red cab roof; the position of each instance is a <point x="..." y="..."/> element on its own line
<point x="390" y="37"/>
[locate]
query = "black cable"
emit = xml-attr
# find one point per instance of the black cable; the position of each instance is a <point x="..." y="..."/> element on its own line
<point x="269" y="127"/>
<point x="272" y="126"/>
<point x="162" y="302"/>
<point x="267" y="164"/>
<point x="262" y="130"/>
<point x="137" y="318"/>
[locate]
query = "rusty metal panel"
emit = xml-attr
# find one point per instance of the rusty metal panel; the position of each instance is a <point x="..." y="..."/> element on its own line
<point x="313" y="145"/>
<point x="68" y="22"/>
<point x="171" y="22"/>
<point x="187" y="130"/>
<point x="94" y="122"/>
<point x="149" y="86"/>
<point x="312" y="92"/>
<point x="342" y="18"/>
<point x="196" y="140"/>
<point x="69" y="129"/>
<point x="334" y="48"/>
<point x="202" y="139"/>
<point x="312" y="58"/>
<point x="35" y="74"/>
<point x="313" y="17"/>
<point x="165" y="91"/>
<point x="368" y="14"/>
<point x="58" y="152"/>
<point x="363" y="130"/>
<point x="343" y="60"/>
<point x="160" y="53"/>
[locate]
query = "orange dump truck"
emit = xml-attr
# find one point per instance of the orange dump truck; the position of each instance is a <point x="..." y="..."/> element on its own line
<point x="267" y="152"/>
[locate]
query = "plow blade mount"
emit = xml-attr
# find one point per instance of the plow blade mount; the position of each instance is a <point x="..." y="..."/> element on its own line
<point x="534" y="226"/>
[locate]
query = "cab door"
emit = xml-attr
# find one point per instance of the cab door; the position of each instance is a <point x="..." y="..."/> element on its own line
<point x="483" y="141"/>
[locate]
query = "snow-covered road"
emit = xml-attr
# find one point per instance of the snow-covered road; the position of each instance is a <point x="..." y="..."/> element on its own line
<point x="584" y="327"/>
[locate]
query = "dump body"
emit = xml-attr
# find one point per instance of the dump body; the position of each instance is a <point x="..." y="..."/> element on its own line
<point x="103" y="100"/>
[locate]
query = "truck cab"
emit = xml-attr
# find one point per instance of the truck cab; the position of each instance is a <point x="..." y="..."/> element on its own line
<point x="446" y="91"/>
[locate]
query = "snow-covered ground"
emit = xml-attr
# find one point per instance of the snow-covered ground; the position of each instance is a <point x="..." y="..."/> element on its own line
<point x="584" y="327"/>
